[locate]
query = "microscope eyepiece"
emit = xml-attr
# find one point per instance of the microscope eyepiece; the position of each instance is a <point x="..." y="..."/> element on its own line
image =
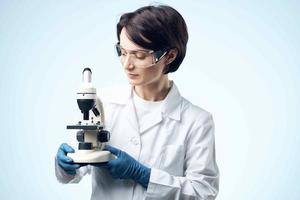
<point x="87" y="75"/>
<point x="87" y="69"/>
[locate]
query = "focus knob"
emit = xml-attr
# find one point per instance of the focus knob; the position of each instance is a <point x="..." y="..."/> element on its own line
<point x="103" y="136"/>
<point x="80" y="136"/>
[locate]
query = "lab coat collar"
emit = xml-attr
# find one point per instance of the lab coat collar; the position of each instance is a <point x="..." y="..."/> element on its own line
<point x="120" y="95"/>
<point x="172" y="103"/>
<point x="171" y="106"/>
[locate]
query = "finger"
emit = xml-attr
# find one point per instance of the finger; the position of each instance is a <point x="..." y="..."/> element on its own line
<point x="113" y="163"/>
<point x="113" y="150"/>
<point x="71" y="172"/>
<point x="62" y="157"/>
<point x="103" y="165"/>
<point x="67" y="148"/>
<point x="67" y="166"/>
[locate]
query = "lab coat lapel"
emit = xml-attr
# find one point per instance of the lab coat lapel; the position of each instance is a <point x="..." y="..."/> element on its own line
<point x="129" y="111"/>
<point x="150" y="121"/>
<point x="172" y="104"/>
<point x="170" y="107"/>
<point x="123" y="96"/>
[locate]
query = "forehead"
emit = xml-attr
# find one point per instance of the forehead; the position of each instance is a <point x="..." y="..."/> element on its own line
<point x="126" y="43"/>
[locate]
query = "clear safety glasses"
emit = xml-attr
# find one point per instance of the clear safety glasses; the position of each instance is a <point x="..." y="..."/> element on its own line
<point x="140" y="58"/>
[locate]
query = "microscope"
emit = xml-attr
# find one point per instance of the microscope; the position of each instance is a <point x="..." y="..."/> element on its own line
<point x="91" y="135"/>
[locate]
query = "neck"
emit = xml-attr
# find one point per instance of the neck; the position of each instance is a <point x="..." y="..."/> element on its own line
<point x="154" y="91"/>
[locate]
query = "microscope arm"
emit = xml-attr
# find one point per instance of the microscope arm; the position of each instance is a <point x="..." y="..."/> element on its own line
<point x="98" y="112"/>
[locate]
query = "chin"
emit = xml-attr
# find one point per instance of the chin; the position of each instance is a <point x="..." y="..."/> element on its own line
<point x="135" y="82"/>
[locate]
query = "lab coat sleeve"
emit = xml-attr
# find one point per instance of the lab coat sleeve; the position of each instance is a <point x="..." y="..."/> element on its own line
<point x="65" y="178"/>
<point x="201" y="174"/>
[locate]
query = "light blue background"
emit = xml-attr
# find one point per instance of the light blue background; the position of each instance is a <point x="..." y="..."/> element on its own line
<point x="242" y="65"/>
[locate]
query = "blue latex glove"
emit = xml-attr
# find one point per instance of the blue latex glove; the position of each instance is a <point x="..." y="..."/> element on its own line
<point x="126" y="167"/>
<point x="64" y="161"/>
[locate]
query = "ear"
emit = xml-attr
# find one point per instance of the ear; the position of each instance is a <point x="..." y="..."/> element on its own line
<point x="171" y="56"/>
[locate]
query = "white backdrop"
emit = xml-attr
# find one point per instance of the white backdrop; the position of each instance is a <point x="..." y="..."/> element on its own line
<point x="242" y="65"/>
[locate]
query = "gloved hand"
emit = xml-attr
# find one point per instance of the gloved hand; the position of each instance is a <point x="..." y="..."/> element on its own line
<point x="64" y="161"/>
<point x="126" y="167"/>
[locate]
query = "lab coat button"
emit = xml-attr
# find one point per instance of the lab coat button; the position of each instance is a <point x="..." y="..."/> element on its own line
<point x="135" y="141"/>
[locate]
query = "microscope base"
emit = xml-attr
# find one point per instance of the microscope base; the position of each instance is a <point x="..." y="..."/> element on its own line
<point x="91" y="156"/>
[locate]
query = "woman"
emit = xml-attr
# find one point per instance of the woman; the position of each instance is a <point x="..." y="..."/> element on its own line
<point x="163" y="143"/>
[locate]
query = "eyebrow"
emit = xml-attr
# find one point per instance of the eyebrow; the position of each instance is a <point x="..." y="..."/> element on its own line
<point x="137" y="50"/>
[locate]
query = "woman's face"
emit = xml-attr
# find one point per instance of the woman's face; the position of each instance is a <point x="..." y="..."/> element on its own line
<point x="136" y="75"/>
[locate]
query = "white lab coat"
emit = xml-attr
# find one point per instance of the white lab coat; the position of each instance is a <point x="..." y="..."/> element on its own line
<point x="177" y="144"/>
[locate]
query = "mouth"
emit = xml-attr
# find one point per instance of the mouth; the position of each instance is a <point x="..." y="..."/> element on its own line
<point x="132" y="75"/>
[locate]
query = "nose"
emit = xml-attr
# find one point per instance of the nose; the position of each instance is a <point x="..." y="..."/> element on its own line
<point x="128" y="64"/>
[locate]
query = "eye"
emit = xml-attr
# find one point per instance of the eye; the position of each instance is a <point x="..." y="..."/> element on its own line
<point x="123" y="52"/>
<point x="140" y="55"/>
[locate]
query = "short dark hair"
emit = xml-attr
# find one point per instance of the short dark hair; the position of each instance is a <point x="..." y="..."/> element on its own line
<point x="162" y="25"/>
